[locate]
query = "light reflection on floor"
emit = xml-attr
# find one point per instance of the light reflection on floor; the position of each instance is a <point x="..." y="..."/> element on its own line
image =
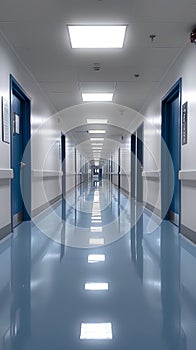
<point x="151" y="297"/>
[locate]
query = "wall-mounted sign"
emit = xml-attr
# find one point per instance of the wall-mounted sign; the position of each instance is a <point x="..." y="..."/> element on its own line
<point x="5" y="120"/>
<point x="16" y="124"/>
<point x="184" y="123"/>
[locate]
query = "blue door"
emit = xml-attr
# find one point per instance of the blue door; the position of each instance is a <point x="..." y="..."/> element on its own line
<point x="139" y="149"/>
<point x="133" y="151"/>
<point x="174" y="151"/>
<point x="171" y="136"/>
<point x="17" y="202"/>
<point x="173" y="145"/>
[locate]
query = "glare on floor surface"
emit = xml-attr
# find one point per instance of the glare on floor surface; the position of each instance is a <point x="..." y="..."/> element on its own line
<point x="96" y="286"/>
<point x="96" y="229"/>
<point x="96" y="331"/>
<point x="95" y="258"/>
<point x="96" y="241"/>
<point x="99" y="221"/>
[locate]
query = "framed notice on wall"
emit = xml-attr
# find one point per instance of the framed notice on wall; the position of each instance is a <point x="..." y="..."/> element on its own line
<point x="5" y="120"/>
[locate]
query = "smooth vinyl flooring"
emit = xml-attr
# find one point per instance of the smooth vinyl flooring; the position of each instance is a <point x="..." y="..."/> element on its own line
<point x="97" y="271"/>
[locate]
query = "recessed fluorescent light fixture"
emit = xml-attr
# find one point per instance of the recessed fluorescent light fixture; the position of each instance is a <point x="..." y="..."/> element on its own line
<point x="97" y="36"/>
<point x="100" y="331"/>
<point x="97" y="121"/>
<point x="97" y="139"/>
<point x="96" y="258"/>
<point x="96" y="144"/>
<point x="96" y="131"/>
<point x="96" y="286"/>
<point x="97" y="148"/>
<point x="97" y="97"/>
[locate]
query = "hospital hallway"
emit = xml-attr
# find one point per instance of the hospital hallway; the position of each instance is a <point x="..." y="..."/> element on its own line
<point x="97" y="271"/>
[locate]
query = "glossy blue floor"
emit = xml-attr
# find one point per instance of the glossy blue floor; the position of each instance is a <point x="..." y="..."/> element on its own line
<point x="97" y="272"/>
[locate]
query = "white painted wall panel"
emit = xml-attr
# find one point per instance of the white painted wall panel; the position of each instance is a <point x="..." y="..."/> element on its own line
<point x="125" y="164"/>
<point x="41" y="145"/>
<point x="184" y="67"/>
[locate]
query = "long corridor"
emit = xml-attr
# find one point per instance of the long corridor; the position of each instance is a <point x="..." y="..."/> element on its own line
<point x="97" y="272"/>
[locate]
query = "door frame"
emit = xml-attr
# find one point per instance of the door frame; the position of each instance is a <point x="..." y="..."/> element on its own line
<point x="16" y="89"/>
<point x="165" y="205"/>
<point x="63" y="161"/>
<point x="119" y="168"/>
<point x="133" y="153"/>
<point x="139" y="152"/>
<point x="63" y="180"/>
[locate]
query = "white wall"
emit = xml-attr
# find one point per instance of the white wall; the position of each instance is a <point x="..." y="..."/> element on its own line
<point x="115" y="160"/>
<point x="125" y="164"/>
<point x="70" y="164"/>
<point x="184" y="67"/>
<point x="42" y="143"/>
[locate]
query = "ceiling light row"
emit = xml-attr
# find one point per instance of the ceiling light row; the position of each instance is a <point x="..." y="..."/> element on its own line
<point x="97" y="37"/>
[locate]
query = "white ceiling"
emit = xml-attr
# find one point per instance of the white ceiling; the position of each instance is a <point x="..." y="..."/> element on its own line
<point x="37" y="31"/>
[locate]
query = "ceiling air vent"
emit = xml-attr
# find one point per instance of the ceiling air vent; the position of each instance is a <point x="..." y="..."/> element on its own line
<point x="96" y="67"/>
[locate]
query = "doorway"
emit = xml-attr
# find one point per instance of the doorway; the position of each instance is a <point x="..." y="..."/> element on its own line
<point x="63" y="160"/>
<point x="139" y="168"/>
<point x="133" y="152"/>
<point x="20" y="109"/>
<point x="171" y="161"/>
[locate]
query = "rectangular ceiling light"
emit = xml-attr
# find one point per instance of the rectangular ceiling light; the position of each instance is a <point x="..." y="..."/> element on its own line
<point x="97" y="148"/>
<point x="96" y="286"/>
<point x="100" y="331"/>
<point x="96" y="258"/>
<point x="97" y="36"/>
<point x="96" y="144"/>
<point x="97" y="121"/>
<point x="96" y="131"/>
<point x="97" y="139"/>
<point x="97" y="97"/>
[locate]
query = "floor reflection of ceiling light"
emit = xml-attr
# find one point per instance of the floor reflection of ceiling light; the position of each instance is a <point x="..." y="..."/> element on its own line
<point x="96" y="241"/>
<point x="96" y="286"/>
<point x="96" y="331"/>
<point x="95" y="258"/>
<point x="96" y="221"/>
<point x="96" y="229"/>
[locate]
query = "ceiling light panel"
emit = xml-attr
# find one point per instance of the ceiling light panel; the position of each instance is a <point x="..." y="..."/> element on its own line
<point x="97" y="139"/>
<point x="97" y="121"/>
<point x="97" y="131"/>
<point x="96" y="144"/>
<point x="97" y="37"/>
<point x="97" y="97"/>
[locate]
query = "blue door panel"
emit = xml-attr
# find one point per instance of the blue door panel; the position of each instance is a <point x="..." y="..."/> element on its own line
<point x="174" y="150"/>
<point x="17" y="203"/>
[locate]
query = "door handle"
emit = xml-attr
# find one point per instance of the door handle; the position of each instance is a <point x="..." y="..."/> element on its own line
<point x="22" y="165"/>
